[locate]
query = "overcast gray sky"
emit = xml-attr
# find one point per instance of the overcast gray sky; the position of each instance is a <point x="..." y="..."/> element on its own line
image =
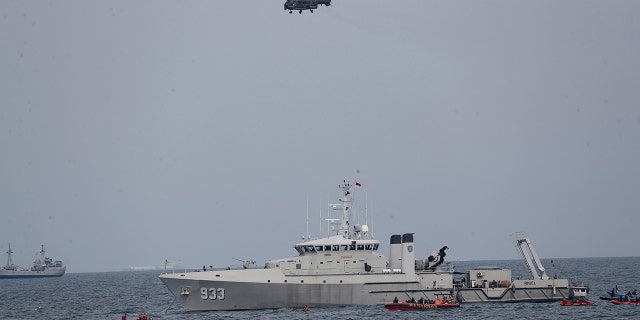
<point x="138" y="131"/>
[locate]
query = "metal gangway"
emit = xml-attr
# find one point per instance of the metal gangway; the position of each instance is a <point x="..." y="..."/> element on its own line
<point x="529" y="255"/>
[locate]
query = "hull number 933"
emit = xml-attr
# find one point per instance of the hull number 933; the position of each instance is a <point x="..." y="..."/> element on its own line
<point x="212" y="293"/>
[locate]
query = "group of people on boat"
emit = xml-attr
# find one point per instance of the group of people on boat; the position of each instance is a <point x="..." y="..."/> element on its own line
<point x="615" y="296"/>
<point x="615" y="292"/>
<point x="444" y="300"/>
<point x="305" y="309"/>
<point x="486" y="284"/>
<point x="629" y="297"/>
<point x="580" y="301"/>
<point x="141" y="316"/>
<point x="499" y="284"/>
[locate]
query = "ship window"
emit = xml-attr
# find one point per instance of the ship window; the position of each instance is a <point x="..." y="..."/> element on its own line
<point x="300" y="250"/>
<point x="310" y="248"/>
<point x="336" y="248"/>
<point x="352" y="247"/>
<point x="298" y="266"/>
<point x="361" y="247"/>
<point x="367" y="247"/>
<point x="318" y="248"/>
<point x="327" y="248"/>
<point x="343" y="247"/>
<point x="375" y="246"/>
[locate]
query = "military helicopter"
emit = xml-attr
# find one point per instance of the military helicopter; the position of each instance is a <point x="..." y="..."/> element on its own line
<point x="300" y="5"/>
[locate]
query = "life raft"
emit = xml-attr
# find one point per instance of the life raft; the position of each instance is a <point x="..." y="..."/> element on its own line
<point x="400" y="306"/>
<point x="568" y="303"/>
<point x="625" y="302"/>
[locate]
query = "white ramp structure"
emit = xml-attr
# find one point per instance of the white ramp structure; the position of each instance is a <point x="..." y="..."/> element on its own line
<point x="529" y="255"/>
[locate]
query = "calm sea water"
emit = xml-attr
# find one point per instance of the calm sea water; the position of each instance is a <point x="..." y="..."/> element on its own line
<point x="107" y="295"/>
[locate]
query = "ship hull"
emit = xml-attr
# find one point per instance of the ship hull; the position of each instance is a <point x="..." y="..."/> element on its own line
<point x="50" y="272"/>
<point x="298" y="291"/>
<point x="519" y="291"/>
<point x="270" y="289"/>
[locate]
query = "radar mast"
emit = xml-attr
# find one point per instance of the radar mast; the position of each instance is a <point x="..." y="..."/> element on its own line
<point x="344" y="230"/>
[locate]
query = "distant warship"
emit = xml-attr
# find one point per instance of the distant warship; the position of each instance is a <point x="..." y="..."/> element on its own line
<point x="346" y="269"/>
<point x="42" y="267"/>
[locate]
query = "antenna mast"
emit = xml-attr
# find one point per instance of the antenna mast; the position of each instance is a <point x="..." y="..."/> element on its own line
<point x="9" y="260"/>
<point x="346" y="213"/>
<point x="307" y="235"/>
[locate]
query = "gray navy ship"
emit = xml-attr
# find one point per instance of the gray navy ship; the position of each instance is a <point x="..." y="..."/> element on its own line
<point x="43" y="267"/>
<point x="347" y="269"/>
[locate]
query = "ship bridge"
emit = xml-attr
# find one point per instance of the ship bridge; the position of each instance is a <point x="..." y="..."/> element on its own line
<point x="336" y="244"/>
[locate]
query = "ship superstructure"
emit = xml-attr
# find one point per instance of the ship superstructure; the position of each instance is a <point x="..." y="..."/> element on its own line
<point x="494" y="284"/>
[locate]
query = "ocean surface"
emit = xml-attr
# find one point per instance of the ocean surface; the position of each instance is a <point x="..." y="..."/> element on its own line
<point x="107" y="295"/>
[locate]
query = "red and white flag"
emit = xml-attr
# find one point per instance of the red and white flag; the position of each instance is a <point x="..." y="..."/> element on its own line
<point x="358" y="184"/>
